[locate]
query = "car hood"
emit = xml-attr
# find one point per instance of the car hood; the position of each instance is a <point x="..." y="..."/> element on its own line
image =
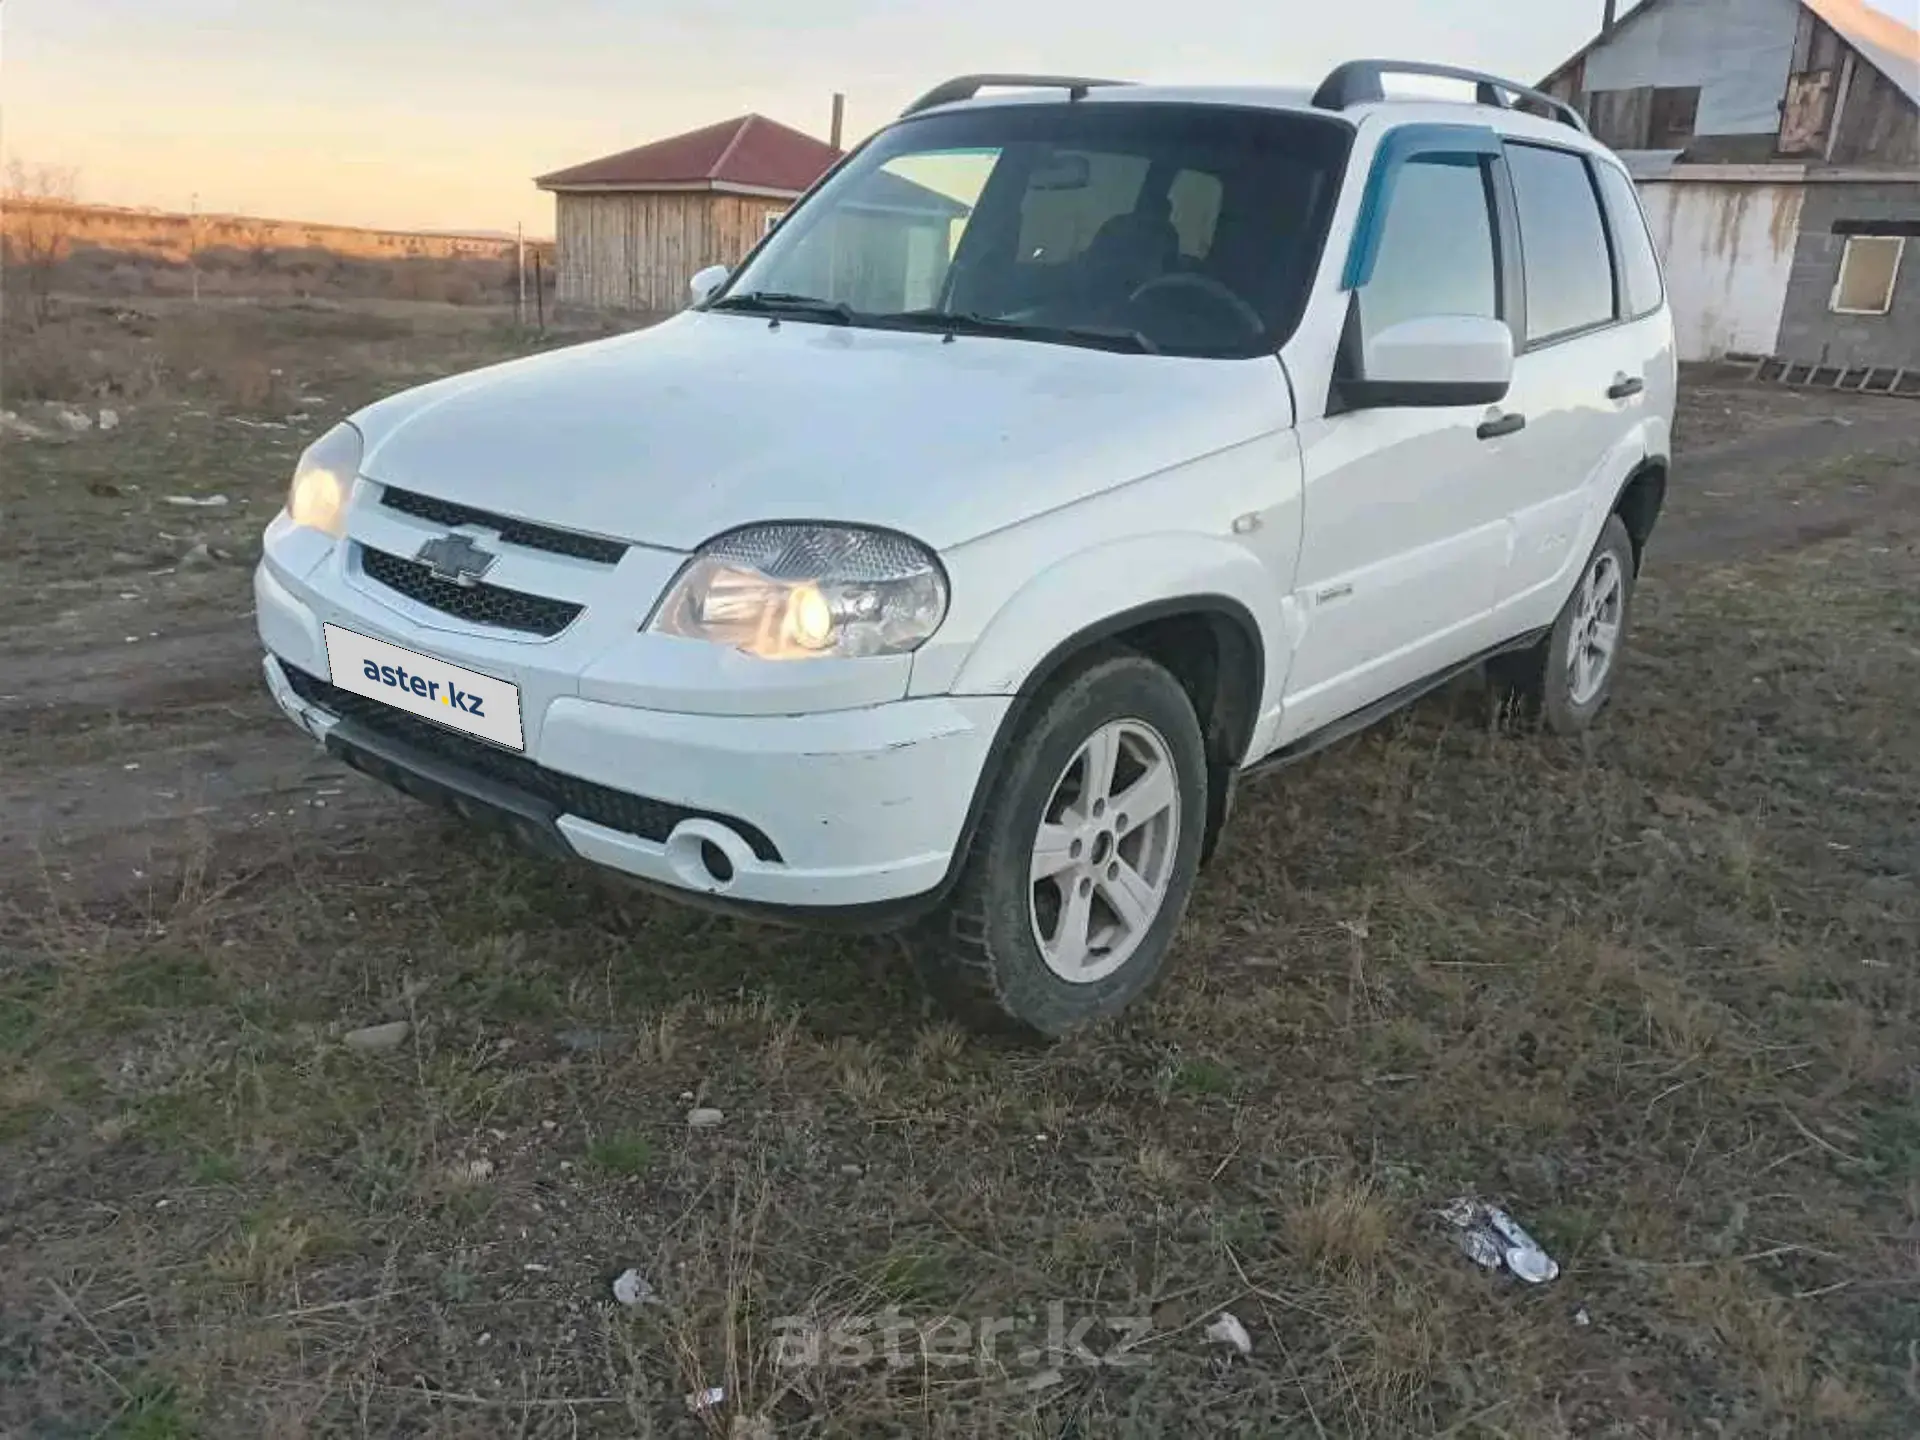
<point x="671" y="435"/>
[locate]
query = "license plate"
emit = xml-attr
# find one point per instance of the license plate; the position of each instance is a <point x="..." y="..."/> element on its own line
<point x="421" y="685"/>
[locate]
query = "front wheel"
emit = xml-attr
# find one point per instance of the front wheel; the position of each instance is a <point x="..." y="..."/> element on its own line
<point x="1565" y="680"/>
<point x="1084" y="858"/>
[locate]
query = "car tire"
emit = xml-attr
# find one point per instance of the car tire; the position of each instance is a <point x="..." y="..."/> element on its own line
<point x="1068" y="901"/>
<point x="1563" y="682"/>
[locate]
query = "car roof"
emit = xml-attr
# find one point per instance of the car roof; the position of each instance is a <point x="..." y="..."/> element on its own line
<point x="1401" y="110"/>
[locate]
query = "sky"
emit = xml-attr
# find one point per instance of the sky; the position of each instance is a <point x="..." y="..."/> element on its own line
<point x="436" y="114"/>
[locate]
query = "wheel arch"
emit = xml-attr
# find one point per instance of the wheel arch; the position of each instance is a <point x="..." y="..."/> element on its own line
<point x="1638" y="503"/>
<point x="1209" y="642"/>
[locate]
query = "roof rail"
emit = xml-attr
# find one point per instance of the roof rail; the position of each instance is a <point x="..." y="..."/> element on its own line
<point x="1359" y="81"/>
<point x="965" y="87"/>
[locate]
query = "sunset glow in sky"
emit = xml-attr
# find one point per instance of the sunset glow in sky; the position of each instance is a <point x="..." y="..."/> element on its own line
<point x="436" y="113"/>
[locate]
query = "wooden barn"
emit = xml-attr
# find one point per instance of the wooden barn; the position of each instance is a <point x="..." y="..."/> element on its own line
<point x="631" y="229"/>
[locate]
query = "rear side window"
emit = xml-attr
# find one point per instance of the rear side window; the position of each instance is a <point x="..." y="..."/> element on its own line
<point x="1436" y="254"/>
<point x="1639" y="268"/>
<point x="1563" y="242"/>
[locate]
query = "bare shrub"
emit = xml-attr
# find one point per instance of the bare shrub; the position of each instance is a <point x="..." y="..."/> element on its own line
<point x="39" y="226"/>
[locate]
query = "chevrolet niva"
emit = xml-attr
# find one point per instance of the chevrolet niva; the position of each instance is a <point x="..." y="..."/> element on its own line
<point x="1063" y="456"/>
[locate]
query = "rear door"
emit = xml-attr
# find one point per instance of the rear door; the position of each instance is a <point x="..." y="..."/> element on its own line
<point x="1405" y="530"/>
<point x="1582" y="377"/>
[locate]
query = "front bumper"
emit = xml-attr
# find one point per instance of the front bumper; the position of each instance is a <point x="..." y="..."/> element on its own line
<point x="845" y="809"/>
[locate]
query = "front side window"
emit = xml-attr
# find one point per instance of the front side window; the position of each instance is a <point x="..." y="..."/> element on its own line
<point x="1563" y="242"/>
<point x="1181" y="229"/>
<point x="1436" y="252"/>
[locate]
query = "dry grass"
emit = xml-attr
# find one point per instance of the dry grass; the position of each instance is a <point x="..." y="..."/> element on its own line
<point x="1654" y="991"/>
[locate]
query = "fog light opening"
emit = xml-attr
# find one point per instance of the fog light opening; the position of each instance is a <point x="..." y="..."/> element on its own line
<point x="716" y="862"/>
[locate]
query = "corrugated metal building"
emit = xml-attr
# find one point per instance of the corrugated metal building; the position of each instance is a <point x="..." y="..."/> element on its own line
<point x="631" y="229"/>
<point x="1777" y="146"/>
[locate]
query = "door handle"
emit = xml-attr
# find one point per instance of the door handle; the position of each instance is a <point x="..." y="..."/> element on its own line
<point x="1501" y="425"/>
<point x="1625" y="386"/>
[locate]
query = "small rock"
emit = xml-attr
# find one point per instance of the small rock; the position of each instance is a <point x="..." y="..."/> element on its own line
<point x="1676" y="806"/>
<point x="587" y="1040"/>
<point x="197" y="556"/>
<point x="109" y="419"/>
<point x="197" y="502"/>
<point x="477" y="1170"/>
<point x="77" y="421"/>
<point x="373" y="1038"/>
<point x="104" y="488"/>
<point x="703" y="1118"/>
<point x="851" y="1170"/>
<point x="1228" y="1330"/>
<point x="630" y="1288"/>
<point x="1582" y="1318"/>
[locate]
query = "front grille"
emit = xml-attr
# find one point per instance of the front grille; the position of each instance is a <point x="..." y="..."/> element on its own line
<point x="483" y="604"/>
<point x="513" y="532"/>
<point x="602" y="804"/>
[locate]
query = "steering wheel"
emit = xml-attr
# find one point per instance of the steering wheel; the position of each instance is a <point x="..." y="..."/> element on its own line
<point x="1211" y="288"/>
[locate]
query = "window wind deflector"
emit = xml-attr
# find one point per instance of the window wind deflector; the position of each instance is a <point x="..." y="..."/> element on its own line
<point x="778" y="303"/>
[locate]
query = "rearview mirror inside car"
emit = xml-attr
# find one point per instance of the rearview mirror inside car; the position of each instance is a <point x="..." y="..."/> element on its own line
<point x="1061" y="170"/>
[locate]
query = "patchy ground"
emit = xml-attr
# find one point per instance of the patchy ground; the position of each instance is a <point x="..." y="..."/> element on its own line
<point x="1655" y="991"/>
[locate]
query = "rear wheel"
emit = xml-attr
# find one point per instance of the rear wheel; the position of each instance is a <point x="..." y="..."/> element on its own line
<point x="1084" y="858"/>
<point x="1565" y="680"/>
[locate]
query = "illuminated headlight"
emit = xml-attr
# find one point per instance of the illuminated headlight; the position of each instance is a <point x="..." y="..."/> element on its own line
<point x="322" y="479"/>
<point x="796" y="592"/>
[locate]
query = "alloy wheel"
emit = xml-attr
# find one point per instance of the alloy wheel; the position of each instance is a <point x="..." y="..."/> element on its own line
<point x="1103" y="857"/>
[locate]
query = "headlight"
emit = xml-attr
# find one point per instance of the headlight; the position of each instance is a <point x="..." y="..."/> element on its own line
<point x="794" y="592"/>
<point x="318" y="497"/>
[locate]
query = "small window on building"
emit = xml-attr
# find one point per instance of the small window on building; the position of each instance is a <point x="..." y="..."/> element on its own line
<point x="1868" y="269"/>
<point x="1671" y="117"/>
<point x="773" y="219"/>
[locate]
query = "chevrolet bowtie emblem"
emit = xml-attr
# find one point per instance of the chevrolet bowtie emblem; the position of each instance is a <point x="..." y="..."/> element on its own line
<point x="456" y="558"/>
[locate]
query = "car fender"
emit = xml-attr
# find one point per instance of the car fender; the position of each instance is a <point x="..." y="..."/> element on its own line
<point x="1103" y="590"/>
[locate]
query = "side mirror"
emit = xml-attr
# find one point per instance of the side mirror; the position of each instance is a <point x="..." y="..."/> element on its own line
<point x="706" y="281"/>
<point x="1433" y="361"/>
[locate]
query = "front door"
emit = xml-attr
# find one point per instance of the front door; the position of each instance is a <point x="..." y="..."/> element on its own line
<point x="1405" y="534"/>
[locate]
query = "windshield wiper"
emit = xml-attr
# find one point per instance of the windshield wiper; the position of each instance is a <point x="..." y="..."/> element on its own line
<point x="777" y="303"/>
<point x="964" y="322"/>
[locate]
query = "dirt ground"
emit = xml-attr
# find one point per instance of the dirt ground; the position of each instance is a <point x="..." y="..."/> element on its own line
<point x="1655" y="991"/>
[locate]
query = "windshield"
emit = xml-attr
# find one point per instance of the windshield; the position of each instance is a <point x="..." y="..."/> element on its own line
<point x="1150" y="227"/>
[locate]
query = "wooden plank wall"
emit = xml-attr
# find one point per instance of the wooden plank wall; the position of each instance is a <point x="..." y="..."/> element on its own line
<point x="1877" y="124"/>
<point x="638" y="251"/>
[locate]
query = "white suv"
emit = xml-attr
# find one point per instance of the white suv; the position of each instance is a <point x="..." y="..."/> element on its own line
<point x="1059" y="459"/>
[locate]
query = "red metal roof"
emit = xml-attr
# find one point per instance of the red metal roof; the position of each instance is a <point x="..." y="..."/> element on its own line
<point x="751" y="150"/>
